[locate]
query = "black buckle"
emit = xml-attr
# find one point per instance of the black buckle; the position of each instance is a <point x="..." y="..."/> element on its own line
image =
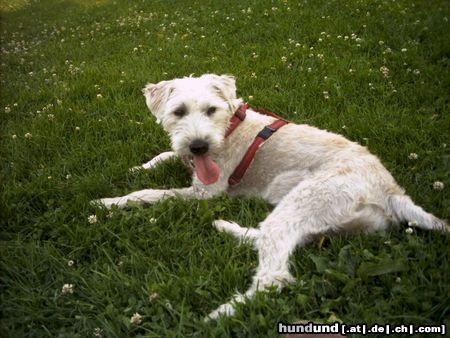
<point x="266" y="132"/>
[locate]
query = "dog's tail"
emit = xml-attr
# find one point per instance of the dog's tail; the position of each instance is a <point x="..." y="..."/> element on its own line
<point x="403" y="209"/>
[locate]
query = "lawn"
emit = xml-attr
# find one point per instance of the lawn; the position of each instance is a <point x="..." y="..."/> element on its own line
<point x="73" y="121"/>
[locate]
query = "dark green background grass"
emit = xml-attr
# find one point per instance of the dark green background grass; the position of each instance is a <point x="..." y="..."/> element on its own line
<point x="57" y="56"/>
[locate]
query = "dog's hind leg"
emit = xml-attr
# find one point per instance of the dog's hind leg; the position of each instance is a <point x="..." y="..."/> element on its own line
<point x="274" y="248"/>
<point x="155" y="161"/>
<point x="241" y="233"/>
<point x="313" y="207"/>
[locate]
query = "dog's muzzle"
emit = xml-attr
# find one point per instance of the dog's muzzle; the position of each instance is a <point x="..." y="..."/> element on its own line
<point x="199" y="147"/>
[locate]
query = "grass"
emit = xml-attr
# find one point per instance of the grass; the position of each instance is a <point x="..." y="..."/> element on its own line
<point x="73" y="120"/>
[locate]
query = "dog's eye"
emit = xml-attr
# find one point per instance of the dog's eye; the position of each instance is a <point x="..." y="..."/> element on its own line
<point x="211" y="110"/>
<point x="180" y="112"/>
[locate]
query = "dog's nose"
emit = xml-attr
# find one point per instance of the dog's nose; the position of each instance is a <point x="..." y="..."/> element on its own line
<point x="199" y="147"/>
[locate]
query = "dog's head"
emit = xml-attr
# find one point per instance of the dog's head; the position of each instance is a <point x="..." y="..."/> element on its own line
<point x="196" y="112"/>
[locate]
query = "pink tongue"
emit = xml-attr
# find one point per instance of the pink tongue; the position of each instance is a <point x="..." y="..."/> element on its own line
<point x="207" y="170"/>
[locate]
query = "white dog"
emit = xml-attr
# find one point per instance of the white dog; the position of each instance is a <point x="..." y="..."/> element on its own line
<point x="319" y="182"/>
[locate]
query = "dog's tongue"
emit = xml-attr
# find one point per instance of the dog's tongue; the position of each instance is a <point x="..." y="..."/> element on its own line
<point x="207" y="170"/>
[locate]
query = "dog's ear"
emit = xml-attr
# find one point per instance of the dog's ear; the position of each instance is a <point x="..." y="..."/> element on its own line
<point x="156" y="95"/>
<point x="225" y="85"/>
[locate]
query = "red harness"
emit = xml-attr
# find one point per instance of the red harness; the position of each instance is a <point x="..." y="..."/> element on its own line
<point x="262" y="136"/>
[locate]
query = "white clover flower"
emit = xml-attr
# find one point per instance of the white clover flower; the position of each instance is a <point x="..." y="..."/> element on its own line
<point x="385" y="71"/>
<point x="413" y="156"/>
<point x="70" y="263"/>
<point x="250" y="97"/>
<point x="438" y="185"/>
<point x="283" y="58"/>
<point x="154" y="296"/>
<point x="404" y="50"/>
<point x="136" y="318"/>
<point x="110" y="215"/>
<point x="51" y="116"/>
<point x="398" y="280"/>
<point x="326" y="95"/>
<point x="14" y="136"/>
<point x="68" y="177"/>
<point x="67" y="288"/>
<point x="98" y="332"/>
<point x="409" y="231"/>
<point x="152" y="220"/>
<point x="77" y="128"/>
<point x="7" y="109"/>
<point x="416" y="72"/>
<point x="28" y="135"/>
<point x="92" y="219"/>
<point x="99" y="96"/>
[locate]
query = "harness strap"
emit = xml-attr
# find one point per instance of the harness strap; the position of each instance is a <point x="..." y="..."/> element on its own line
<point x="237" y="118"/>
<point x="262" y="136"/>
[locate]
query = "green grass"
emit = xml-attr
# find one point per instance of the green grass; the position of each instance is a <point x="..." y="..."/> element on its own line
<point x="57" y="56"/>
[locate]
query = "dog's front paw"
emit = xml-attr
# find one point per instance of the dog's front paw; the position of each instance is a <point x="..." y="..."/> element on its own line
<point x="221" y="225"/>
<point x="136" y="169"/>
<point x="226" y="309"/>
<point x="109" y="202"/>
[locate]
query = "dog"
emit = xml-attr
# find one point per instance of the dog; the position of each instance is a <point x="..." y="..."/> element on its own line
<point x="318" y="181"/>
